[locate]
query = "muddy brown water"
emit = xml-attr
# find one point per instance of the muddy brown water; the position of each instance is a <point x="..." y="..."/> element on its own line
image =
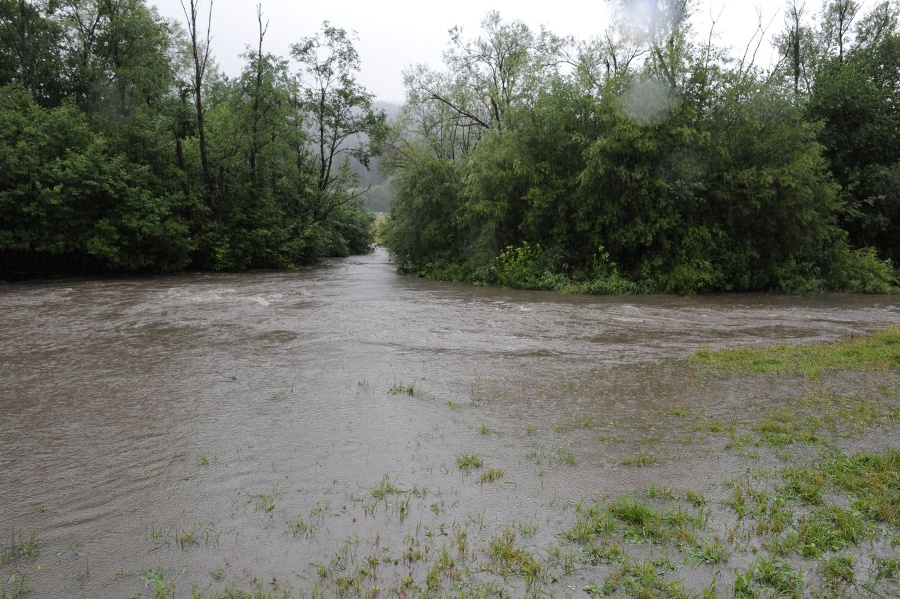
<point x="134" y="412"/>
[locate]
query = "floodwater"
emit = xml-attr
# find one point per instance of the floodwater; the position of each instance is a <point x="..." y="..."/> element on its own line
<point x="178" y="424"/>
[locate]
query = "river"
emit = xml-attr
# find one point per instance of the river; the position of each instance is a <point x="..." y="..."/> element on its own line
<point x="174" y="428"/>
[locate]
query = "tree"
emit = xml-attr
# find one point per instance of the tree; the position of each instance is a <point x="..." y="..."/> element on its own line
<point x="837" y="19"/>
<point x="68" y="203"/>
<point x="30" y="43"/>
<point x="199" y="49"/>
<point x="855" y="96"/>
<point x="490" y="74"/>
<point x="344" y="120"/>
<point x="797" y="45"/>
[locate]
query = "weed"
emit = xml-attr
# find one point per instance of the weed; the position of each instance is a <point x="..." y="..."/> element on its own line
<point x="566" y="456"/>
<point x="385" y="487"/>
<point x="530" y="430"/>
<point x="886" y="567"/>
<point x="641" y="460"/>
<point x="829" y="528"/>
<point x="654" y="492"/>
<point x="86" y="573"/>
<point x="467" y="461"/>
<point x="484" y="430"/>
<point x="709" y="551"/>
<point x="572" y="425"/>
<point x="696" y="498"/>
<point x="743" y="584"/>
<point x="508" y="558"/>
<point x="711" y="426"/>
<point x="15" y="586"/>
<point x="874" y="480"/>
<point x="20" y="548"/>
<point x="159" y="583"/>
<point x="186" y="536"/>
<point x="784" y="427"/>
<point x="491" y="475"/>
<point x="838" y="569"/>
<point x="779" y="575"/>
<point x="403" y="508"/>
<point x="806" y="485"/>
<point x="642" y="520"/>
<point x="265" y="502"/>
<point x="308" y="526"/>
<point x="401" y="389"/>
<point x="643" y="579"/>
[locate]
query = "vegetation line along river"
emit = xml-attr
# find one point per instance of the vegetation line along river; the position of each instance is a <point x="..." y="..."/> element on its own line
<point x="347" y="431"/>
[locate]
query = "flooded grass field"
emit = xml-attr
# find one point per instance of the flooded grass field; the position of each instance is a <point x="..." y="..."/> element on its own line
<point x="344" y="431"/>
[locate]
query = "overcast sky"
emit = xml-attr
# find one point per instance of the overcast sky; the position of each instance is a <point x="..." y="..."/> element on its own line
<point x="395" y="34"/>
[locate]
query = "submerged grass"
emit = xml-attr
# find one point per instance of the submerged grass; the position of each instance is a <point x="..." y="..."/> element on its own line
<point x="875" y="352"/>
<point x="819" y="526"/>
<point x="19" y="548"/>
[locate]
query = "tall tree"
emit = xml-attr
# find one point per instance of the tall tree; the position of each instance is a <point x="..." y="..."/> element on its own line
<point x="30" y="48"/>
<point x="837" y="20"/>
<point x="489" y="74"/>
<point x="855" y="97"/>
<point x="200" y="53"/>
<point x="344" y="119"/>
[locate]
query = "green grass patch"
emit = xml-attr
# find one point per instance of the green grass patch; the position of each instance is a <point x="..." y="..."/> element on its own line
<point x="468" y="461"/>
<point x="873" y="479"/>
<point x="779" y="576"/>
<point x="784" y="427"/>
<point x="838" y="569"/>
<point x="874" y="352"/>
<point x="640" y="578"/>
<point x="641" y="460"/>
<point x="829" y="528"/>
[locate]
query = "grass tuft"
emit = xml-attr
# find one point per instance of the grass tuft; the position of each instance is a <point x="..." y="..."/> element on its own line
<point x="468" y="461"/>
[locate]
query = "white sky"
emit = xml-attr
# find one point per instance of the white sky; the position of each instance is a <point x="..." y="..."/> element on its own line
<point x="398" y="33"/>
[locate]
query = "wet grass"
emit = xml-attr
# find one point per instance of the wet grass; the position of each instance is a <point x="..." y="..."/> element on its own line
<point x="19" y="547"/>
<point x="491" y="475"/>
<point x="878" y="351"/>
<point x="640" y="460"/>
<point x="403" y="389"/>
<point x="17" y="552"/>
<point x="468" y="461"/>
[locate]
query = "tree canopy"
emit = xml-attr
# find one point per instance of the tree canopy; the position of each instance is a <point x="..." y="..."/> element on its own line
<point x="123" y="148"/>
<point x="645" y="159"/>
<point x="648" y="160"/>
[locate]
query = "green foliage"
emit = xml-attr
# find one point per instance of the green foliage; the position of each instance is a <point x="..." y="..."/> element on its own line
<point x="526" y="267"/>
<point x="854" y="95"/>
<point x="102" y="169"/>
<point x="423" y="228"/>
<point x="66" y="200"/>
<point x="691" y="178"/>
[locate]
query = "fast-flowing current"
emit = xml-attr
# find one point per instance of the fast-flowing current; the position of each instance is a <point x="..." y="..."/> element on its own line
<point x="176" y="427"/>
